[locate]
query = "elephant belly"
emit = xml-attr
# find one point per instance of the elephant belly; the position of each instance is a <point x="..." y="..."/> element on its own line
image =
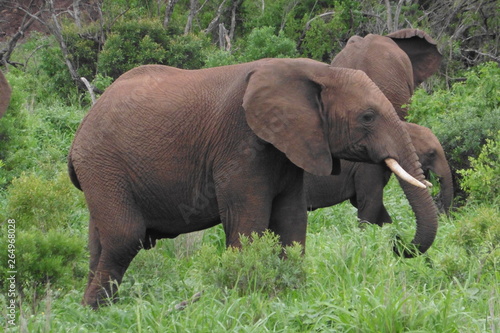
<point x="174" y="208"/>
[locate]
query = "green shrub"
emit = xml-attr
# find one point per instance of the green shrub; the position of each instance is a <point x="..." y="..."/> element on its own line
<point x="256" y="267"/>
<point x="133" y="43"/>
<point x="464" y="116"/>
<point x="44" y="204"/>
<point x="56" y="257"/>
<point x="264" y="43"/>
<point x="478" y="233"/>
<point x="188" y="51"/>
<point x="323" y="40"/>
<point x="482" y="180"/>
<point x="83" y="47"/>
<point x="220" y="58"/>
<point x="37" y="140"/>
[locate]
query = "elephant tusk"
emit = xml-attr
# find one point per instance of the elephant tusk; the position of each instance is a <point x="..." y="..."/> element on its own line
<point x="427" y="183"/>
<point x="401" y="173"/>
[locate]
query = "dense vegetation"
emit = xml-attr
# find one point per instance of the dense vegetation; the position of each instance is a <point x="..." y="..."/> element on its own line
<point x="349" y="280"/>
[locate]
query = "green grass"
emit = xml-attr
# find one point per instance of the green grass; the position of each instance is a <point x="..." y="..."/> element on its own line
<point x="354" y="283"/>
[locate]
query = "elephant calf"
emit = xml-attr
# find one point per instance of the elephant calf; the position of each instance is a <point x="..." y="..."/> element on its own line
<point x="363" y="184"/>
<point x="166" y="151"/>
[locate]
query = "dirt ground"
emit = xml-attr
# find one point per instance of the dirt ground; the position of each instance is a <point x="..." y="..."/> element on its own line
<point x="12" y="14"/>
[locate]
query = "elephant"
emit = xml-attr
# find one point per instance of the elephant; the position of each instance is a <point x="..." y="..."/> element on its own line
<point x="5" y="92"/>
<point x="167" y="151"/>
<point x="363" y="183"/>
<point x="397" y="62"/>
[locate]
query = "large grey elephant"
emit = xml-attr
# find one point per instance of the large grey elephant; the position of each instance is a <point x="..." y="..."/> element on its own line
<point x="363" y="183"/>
<point x="5" y="93"/>
<point x="166" y="151"/>
<point x="397" y="63"/>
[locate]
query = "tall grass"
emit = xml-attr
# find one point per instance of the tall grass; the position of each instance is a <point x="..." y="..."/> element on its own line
<point x="354" y="283"/>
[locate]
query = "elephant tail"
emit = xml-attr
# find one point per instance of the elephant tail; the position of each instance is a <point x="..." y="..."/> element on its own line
<point x="72" y="174"/>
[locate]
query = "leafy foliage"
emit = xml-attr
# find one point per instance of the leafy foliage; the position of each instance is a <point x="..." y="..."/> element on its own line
<point x="464" y="117"/>
<point x="482" y="180"/>
<point x="120" y="51"/>
<point x="45" y="204"/>
<point x="56" y="257"/>
<point x="257" y="267"/>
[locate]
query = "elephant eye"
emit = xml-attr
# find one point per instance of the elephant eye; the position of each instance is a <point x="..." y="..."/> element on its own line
<point x="367" y="117"/>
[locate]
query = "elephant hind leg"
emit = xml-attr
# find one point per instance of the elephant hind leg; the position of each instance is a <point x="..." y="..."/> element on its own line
<point x="113" y="244"/>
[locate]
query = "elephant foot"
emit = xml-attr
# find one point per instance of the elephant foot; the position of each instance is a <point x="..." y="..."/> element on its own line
<point x="96" y="295"/>
<point x="363" y="223"/>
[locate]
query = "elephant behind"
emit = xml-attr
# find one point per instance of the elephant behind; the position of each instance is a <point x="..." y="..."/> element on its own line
<point x="166" y="151"/>
<point x="363" y="183"/>
<point x="397" y="63"/>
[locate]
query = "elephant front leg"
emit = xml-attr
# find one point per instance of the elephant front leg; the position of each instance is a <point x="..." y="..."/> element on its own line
<point x="243" y="217"/>
<point x="369" y="182"/>
<point x="289" y="216"/>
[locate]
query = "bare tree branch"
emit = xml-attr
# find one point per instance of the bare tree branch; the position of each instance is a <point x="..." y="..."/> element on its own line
<point x="308" y="26"/>
<point x="236" y="4"/>
<point x="213" y="23"/>
<point x="76" y="13"/>
<point x="389" y="15"/>
<point x="26" y="23"/>
<point x="89" y="88"/>
<point x="491" y="56"/>
<point x="168" y="12"/>
<point x="192" y="12"/>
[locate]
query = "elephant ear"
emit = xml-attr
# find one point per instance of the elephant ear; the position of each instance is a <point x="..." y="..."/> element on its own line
<point x="354" y="39"/>
<point x="422" y="51"/>
<point x="283" y="107"/>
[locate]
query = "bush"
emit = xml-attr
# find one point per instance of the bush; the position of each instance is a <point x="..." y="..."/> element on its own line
<point x="256" y="267"/>
<point x="478" y="233"/>
<point x="56" y="258"/>
<point x="36" y="140"/>
<point x="45" y="204"/>
<point x="188" y="51"/>
<point x="464" y="117"/>
<point x="261" y="43"/>
<point x="133" y="43"/>
<point x="482" y="180"/>
<point x="264" y="43"/>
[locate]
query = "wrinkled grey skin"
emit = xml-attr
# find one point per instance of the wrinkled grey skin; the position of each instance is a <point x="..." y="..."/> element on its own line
<point x="166" y="151"/>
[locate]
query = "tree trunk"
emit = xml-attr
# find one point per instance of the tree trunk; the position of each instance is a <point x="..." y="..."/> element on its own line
<point x="193" y="8"/>
<point x="236" y="4"/>
<point x="389" y="15"/>
<point x="215" y="21"/>
<point x="168" y="12"/>
<point x="76" y="13"/>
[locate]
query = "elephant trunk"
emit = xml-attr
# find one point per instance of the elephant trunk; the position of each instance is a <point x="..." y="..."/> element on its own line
<point x="422" y="205"/>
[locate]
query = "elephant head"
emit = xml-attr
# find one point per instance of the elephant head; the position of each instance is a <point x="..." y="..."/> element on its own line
<point x="5" y="92"/>
<point x="432" y="158"/>
<point x="397" y="63"/>
<point x="317" y="115"/>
